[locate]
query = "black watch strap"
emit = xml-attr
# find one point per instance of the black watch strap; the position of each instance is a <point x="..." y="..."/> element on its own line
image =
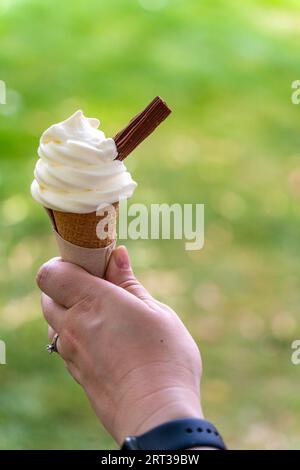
<point x="179" y="434"/>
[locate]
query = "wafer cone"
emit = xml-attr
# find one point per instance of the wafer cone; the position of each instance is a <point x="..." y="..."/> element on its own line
<point x="77" y="240"/>
<point x="81" y="229"/>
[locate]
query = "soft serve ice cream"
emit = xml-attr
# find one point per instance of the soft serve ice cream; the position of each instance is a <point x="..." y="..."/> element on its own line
<point x="77" y="170"/>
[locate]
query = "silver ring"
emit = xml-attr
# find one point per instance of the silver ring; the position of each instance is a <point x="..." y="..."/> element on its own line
<point x="52" y="347"/>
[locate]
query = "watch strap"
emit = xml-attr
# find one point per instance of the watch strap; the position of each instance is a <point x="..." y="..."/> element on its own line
<point x="179" y="434"/>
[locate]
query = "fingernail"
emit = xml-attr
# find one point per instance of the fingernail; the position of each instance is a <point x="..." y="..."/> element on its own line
<point x="121" y="257"/>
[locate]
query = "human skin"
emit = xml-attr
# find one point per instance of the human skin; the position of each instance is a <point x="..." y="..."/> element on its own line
<point x="133" y="356"/>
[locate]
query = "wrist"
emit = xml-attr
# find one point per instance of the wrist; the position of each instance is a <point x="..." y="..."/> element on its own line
<point x="155" y="409"/>
<point x="171" y="412"/>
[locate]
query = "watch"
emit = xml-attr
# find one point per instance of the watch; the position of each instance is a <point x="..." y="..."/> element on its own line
<point x="179" y="434"/>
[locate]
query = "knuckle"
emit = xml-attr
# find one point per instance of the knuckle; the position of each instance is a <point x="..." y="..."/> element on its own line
<point x="42" y="275"/>
<point x="45" y="307"/>
<point x="133" y="286"/>
<point x="46" y="314"/>
<point x="130" y="283"/>
<point x="50" y="271"/>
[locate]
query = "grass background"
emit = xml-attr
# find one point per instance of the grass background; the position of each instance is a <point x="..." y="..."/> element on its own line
<point x="232" y="143"/>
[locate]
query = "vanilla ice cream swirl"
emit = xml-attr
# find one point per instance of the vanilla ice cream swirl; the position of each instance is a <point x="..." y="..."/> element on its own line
<point x="77" y="170"/>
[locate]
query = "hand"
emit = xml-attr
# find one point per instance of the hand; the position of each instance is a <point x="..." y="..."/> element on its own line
<point x="133" y="356"/>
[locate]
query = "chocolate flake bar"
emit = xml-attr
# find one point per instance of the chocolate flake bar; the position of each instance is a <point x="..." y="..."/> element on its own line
<point x="140" y="127"/>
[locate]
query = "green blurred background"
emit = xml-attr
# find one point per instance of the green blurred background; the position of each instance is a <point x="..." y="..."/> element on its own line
<point x="232" y="143"/>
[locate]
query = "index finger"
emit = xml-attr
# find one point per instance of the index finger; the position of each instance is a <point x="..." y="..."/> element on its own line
<point x="67" y="283"/>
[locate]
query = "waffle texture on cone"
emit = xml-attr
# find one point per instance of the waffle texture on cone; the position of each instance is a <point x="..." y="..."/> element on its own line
<point x="81" y="229"/>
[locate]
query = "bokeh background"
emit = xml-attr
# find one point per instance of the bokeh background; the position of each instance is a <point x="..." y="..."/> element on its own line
<point x="232" y="143"/>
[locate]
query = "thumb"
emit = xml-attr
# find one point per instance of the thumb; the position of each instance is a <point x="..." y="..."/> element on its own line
<point x="119" y="272"/>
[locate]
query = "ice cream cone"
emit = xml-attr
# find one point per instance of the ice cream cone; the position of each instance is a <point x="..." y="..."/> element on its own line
<point x="79" y="170"/>
<point x="81" y="229"/>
